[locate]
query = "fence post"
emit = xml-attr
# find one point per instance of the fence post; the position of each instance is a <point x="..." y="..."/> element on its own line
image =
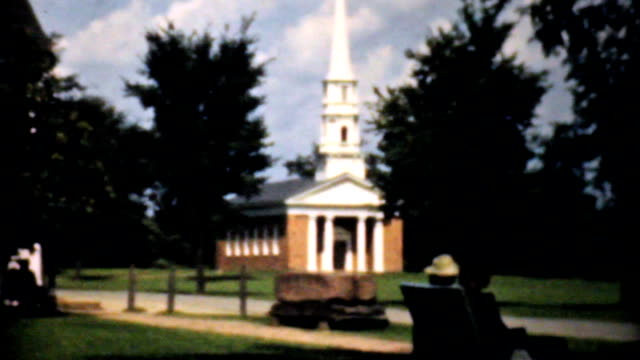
<point x="131" y="298"/>
<point x="243" y="291"/>
<point x="171" y="288"/>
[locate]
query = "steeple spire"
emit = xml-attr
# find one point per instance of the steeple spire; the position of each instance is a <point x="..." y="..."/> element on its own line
<point x="340" y="66"/>
<point x="340" y="140"/>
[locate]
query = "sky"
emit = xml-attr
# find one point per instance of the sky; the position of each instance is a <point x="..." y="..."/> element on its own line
<point x="103" y="44"/>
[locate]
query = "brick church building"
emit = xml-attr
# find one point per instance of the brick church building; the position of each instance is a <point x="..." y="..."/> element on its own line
<point x="329" y="223"/>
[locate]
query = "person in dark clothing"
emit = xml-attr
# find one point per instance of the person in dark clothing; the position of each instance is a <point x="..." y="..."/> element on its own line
<point x="498" y="339"/>
<point x="11" y="285"/>
<point x="26" y="286"/>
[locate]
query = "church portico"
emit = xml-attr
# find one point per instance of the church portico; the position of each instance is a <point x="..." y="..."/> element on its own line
<point x="350" y="240"/>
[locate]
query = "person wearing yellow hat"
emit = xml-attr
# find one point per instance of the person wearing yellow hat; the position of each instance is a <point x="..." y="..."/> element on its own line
<point x="443" y="270"/>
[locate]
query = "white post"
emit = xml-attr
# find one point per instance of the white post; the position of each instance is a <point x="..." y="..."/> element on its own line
<point x="237" y="248"/>
<point x="312" y="244"/>
<point x="327" y="253"/>
<point x="361" y="244"/>
<point x="246" y="249"/>
<point x="35" y="263"/>
<point x="227" y="247"/>
<point x="378" y="247"/>
<point x="265" y="241"/>
<point x="276" y="241"/>
<point x="256" y="246"/>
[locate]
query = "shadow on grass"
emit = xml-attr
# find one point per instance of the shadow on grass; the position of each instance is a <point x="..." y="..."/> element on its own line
<point x="609" y="350"/>
<point x="576" y="307"/>
<point x="269" y="352"/>
<point x="606" y="312"/>
<point x="627" y="351"/>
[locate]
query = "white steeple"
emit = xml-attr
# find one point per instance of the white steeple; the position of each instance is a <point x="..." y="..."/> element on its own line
<point x="340" y="66"/>
<point x="340" y="140"/>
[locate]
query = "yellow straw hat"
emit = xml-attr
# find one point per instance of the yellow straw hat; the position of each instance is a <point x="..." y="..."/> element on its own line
<point x="443" y="265"/>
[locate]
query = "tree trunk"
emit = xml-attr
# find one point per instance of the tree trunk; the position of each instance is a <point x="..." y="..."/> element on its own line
<point x="629" y="283"/>
<point x="78" y="270"/>
<point x="200" y="280"/>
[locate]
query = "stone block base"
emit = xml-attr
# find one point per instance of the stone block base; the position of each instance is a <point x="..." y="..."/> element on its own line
<point x="343" y="301"/>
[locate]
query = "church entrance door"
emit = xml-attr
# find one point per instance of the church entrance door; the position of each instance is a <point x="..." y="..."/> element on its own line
<point x="339" y="255"/>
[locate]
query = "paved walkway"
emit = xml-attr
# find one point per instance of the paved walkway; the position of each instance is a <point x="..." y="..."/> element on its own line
<point x="114" y="302"/>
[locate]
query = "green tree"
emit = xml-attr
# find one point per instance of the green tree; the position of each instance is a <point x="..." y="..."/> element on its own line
<point x="25" y="60"/>
<point x="304" y="166"/>
<point x="64" y="169"/>
<point x="599" y="43"/>
<point x="210" y="141"/>
<point x="453" y="152"/>
<point x="87" y="167"/>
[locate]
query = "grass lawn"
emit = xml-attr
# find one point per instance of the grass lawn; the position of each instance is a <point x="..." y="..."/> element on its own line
<point x="85" y="337"/>
<point x="155" y="280"/>
<point x="520" y="296"/>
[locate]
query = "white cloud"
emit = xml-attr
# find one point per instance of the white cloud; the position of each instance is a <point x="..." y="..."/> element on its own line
<point x="401" y="5"/>
<point x="62" y="70"/>
<point x="116" y="38"/>
<point x="364" y="22"/>
<point x="376" y="70"/>
<point x="440" y="24"/>
<point x="306" y="40"/>
<point x="518" y="43"/>
<point x="197" y="14"/>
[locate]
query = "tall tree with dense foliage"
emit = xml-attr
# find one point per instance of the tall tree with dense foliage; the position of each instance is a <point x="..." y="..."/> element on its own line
<point x="26" y="59"/>
<point x="61" y="176"/>
<point x="599" y="42"/>
<point x="453" y="152"/>
<point x="211" y="141"/>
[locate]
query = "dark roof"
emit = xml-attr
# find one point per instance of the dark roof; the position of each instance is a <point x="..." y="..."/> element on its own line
<point x="276" y="193"/>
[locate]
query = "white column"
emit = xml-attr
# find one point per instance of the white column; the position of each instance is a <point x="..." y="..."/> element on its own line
<point x="227" y="245"/>
<point x="246" y="249"/>
<point x="327" y="253"/>
<point x="378" y="247"/>
<point x="348" y="261"/>
<point x="361" y="243"/>
<point x="255" y="249"/>
<point x="276" y="241"/>
<point x="312" y="244"/>
<point x="265" y="241"/>
<point x="237" y="248"/>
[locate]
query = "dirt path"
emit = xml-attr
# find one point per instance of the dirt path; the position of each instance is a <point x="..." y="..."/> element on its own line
<point x="115" y="302"/>
<point x="275" y="333"/>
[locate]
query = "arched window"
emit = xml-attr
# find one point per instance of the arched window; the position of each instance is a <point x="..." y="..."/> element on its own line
<point x="343" y="134"/>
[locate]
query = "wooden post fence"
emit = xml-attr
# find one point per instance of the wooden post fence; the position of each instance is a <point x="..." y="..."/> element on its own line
<point x="243" y="291"/>
<point x="131" y="298"/>
<point x="171" y="290"/>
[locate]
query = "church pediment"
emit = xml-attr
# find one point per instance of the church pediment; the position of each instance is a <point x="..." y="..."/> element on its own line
<point x="342" y="191"/>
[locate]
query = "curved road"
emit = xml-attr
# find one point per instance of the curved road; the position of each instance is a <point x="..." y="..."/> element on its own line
<point x="115" y="302"/>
